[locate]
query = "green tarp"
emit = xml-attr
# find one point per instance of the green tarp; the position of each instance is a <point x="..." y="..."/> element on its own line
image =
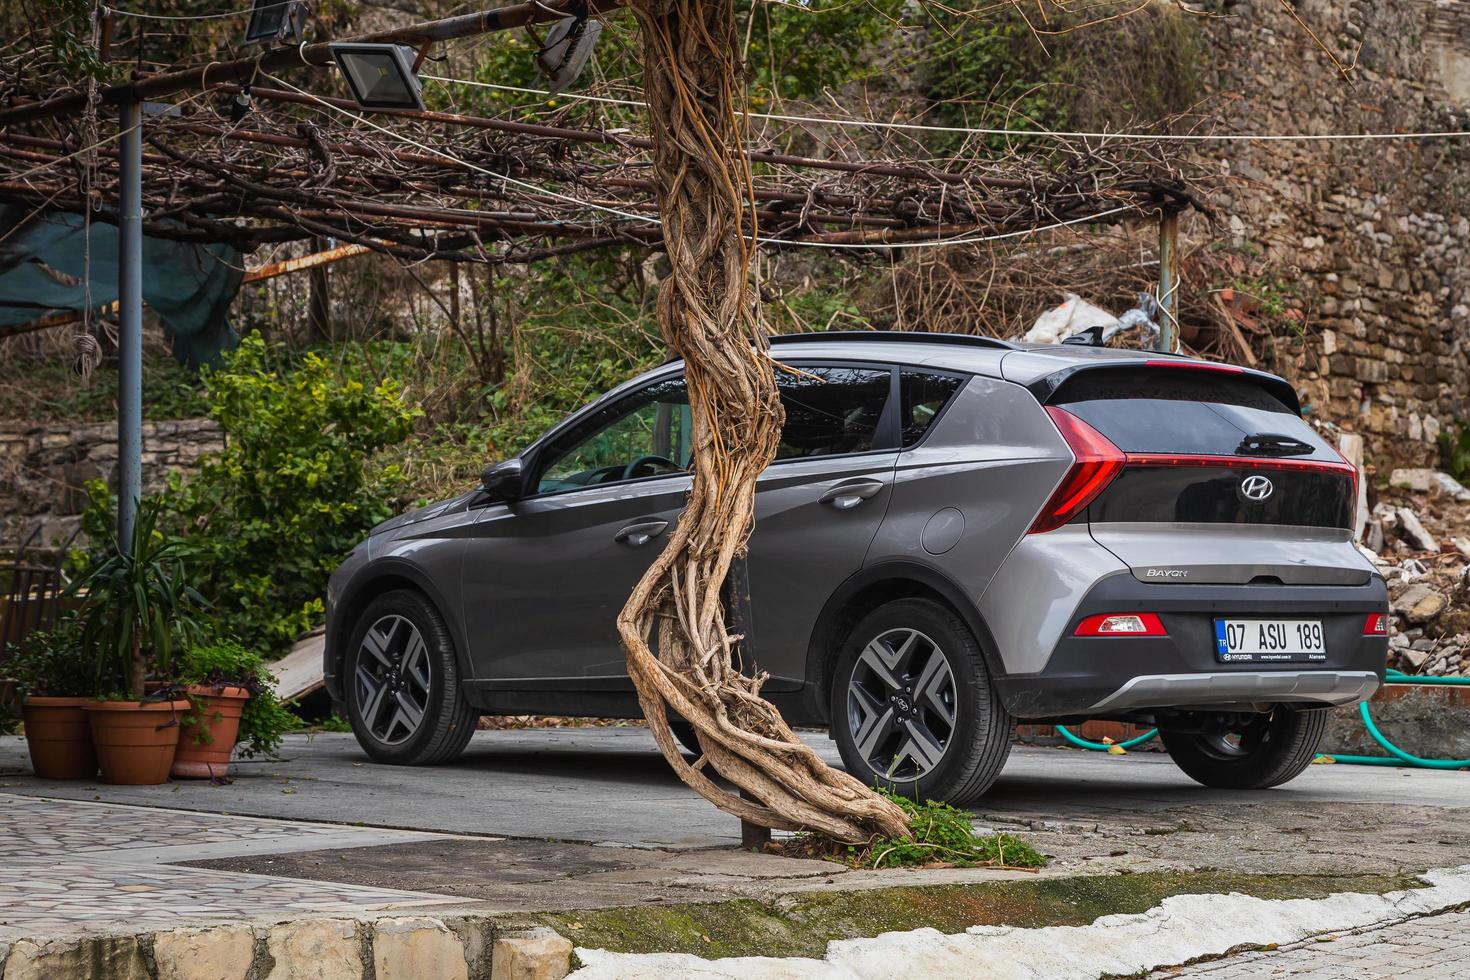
<point x="43" y="263"/>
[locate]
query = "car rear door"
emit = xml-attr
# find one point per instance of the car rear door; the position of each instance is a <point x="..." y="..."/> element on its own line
<point x="819" y="505"/>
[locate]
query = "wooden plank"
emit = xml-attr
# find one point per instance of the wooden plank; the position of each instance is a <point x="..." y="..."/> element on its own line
<point x="299" y="672"/>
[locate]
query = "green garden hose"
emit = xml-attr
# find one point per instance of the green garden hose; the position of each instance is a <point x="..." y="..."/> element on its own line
<point x="1083" y="743"/>
<point x="1397" y="756"/>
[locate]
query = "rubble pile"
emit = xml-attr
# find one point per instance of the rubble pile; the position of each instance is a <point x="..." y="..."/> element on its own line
<point x="1418" y="534"/>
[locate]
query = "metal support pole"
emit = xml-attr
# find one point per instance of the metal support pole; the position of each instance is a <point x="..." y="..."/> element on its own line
<point x="1168" y="339"/>
<point x="753" y="837"/>
<point x="129" y="320"/>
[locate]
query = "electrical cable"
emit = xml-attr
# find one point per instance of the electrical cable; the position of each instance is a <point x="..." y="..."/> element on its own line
<point x="220" y="15"/>
<point x="976" y="131"/>
<point x="960" y="240"/>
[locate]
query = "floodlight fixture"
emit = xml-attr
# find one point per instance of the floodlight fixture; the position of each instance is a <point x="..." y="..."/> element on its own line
<point x="272" y="20"/>
<point x="381" y="76"/>
<point x="566" y="49"/>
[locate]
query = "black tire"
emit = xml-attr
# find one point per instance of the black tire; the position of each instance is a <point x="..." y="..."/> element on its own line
<point x="1274" y="751"/>
<point x="978" y="739"/>
<point x="446" y="721"/>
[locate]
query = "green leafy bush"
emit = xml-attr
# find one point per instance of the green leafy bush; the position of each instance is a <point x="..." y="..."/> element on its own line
<point x="226" y="663"/>
<point x="293" y="490"/>
<point x="53" y="663"/>
<point x="942" y="835"/>
<point x="998" y="70"/>
<point x="1454" y="451"/>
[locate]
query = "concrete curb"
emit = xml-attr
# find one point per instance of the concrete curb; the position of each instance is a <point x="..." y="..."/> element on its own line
<point x="1181" y="929"/>
<point x="389" y="948"/>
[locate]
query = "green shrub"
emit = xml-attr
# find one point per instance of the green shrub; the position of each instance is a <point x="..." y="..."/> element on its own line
<point x="139" y="606"/>
<point x="1454" y="451"/>
<point x="293" y="490"/>
<point x="942" y="834"/>
<point x="226" y="663"/>
<point x="998" y="70"/>
<point x="53" y="663"/>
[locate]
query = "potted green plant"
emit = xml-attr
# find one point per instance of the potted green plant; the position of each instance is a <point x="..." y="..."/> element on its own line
<point x="137" y="607"/>
<point x="54" y="675"/>
<point x="231" y="698"/>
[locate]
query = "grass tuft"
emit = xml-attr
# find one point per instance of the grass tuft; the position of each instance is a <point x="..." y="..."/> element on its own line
<point x="943" y="837"/>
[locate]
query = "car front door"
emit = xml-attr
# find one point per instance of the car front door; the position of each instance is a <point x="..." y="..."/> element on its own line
<point x="545" y="577"/>
<point x="819" y="505"/>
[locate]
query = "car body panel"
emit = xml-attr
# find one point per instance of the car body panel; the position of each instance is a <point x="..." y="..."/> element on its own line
<point x="1029" y="604"/>
<point x="1235" y="554"/>
<point x="554" y="559"/>
<point x="993" y="458"/>
<point x="801" y="542"/>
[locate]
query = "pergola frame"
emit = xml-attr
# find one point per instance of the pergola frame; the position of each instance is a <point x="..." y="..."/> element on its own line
<point x="441" y="185"/>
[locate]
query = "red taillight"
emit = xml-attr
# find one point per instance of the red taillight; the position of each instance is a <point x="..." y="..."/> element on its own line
<point x="1122" y="624"/>
<point x="1376" y="625"/>
<point x="1240" y="462"/>
<point x="1097" y="462"/>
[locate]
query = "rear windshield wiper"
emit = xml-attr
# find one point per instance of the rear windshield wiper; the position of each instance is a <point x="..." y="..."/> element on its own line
<point x="1273" y="444"/>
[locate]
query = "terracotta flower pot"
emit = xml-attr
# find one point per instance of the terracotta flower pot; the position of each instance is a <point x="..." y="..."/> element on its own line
<point x="205" y="747"/>
<point x="135" y="740"/>
<point x="58" y="738"/>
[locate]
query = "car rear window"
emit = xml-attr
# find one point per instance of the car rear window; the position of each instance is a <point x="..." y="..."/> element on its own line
<point x="1158" y="410"/>
<point x="831" y="411"/>
<point x="923" y="396"/>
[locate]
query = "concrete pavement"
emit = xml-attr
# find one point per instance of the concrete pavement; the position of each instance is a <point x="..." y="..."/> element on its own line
<point x="609" y="785"/>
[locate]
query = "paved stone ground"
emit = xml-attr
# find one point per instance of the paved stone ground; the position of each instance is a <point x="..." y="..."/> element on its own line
<point x="68" y="867"/>
<point x="566" y="819"/>
<point x="1436" y="946"/>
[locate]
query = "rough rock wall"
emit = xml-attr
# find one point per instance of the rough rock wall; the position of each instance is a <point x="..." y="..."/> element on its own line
<point x="1377" y="234"/>
<point x="43" y="469"/>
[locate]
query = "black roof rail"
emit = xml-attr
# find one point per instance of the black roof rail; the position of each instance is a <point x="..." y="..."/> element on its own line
<point x="894" y="336"/>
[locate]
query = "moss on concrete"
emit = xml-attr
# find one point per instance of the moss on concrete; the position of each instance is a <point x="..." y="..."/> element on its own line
<point x="803" y="924"/>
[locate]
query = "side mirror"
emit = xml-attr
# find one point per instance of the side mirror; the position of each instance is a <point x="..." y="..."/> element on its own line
<point x="503" y="481"/>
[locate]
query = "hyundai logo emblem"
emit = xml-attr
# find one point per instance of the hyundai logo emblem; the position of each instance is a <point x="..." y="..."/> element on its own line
<point x="1256" y="488"/>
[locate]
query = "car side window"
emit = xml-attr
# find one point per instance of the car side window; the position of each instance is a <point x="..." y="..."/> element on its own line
<point x="645" y="434"/>
<point x="831" y="411"/>
<point x="922" y="396"/>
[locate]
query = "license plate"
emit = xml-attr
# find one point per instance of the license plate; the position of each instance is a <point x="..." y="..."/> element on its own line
<point x="1269" y="640"/>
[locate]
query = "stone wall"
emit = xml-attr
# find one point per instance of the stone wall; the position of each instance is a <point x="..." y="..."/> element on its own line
<point x="44" y="468"/>
<point x="1374" y="236"/>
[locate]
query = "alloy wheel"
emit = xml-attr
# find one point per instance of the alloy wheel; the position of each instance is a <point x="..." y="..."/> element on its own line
<point x="392" y="679"/>
<point x="901" y="704"/>
<point x="1238" y="744"/>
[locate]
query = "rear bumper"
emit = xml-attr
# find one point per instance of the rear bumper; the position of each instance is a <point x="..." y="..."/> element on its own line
<point x="1110" y="675"/>
<point x="1307" y="686"/>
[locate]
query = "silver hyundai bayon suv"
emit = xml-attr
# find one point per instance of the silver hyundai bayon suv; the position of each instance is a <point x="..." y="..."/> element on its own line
<point x="957" y="533"/>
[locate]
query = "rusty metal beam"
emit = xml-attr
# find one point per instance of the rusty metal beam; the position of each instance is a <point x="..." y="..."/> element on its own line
<point x="268" y="271"/>
<point x="315" y="55"/>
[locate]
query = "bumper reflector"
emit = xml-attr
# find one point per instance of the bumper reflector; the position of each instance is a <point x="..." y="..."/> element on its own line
<point x="1376" y="625"/>
<point x="1122" y="624"/>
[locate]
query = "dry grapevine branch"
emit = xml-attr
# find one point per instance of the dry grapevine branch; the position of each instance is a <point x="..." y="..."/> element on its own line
<point x="709" y="315"/>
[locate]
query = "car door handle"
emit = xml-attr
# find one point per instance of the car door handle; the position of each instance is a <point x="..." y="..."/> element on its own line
<point x="640" y="533"/>
<point x="846" y="496"/>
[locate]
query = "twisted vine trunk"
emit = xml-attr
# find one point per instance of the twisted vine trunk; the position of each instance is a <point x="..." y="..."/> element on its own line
<point x="709" y="314"/>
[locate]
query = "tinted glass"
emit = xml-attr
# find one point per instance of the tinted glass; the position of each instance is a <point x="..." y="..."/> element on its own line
<point x="1155" y="410"/>
<point x="831" y="411"/>
<point x="923" y="397"/>
<point x="1211" y="495"/>
<point x="645" y="434"/>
